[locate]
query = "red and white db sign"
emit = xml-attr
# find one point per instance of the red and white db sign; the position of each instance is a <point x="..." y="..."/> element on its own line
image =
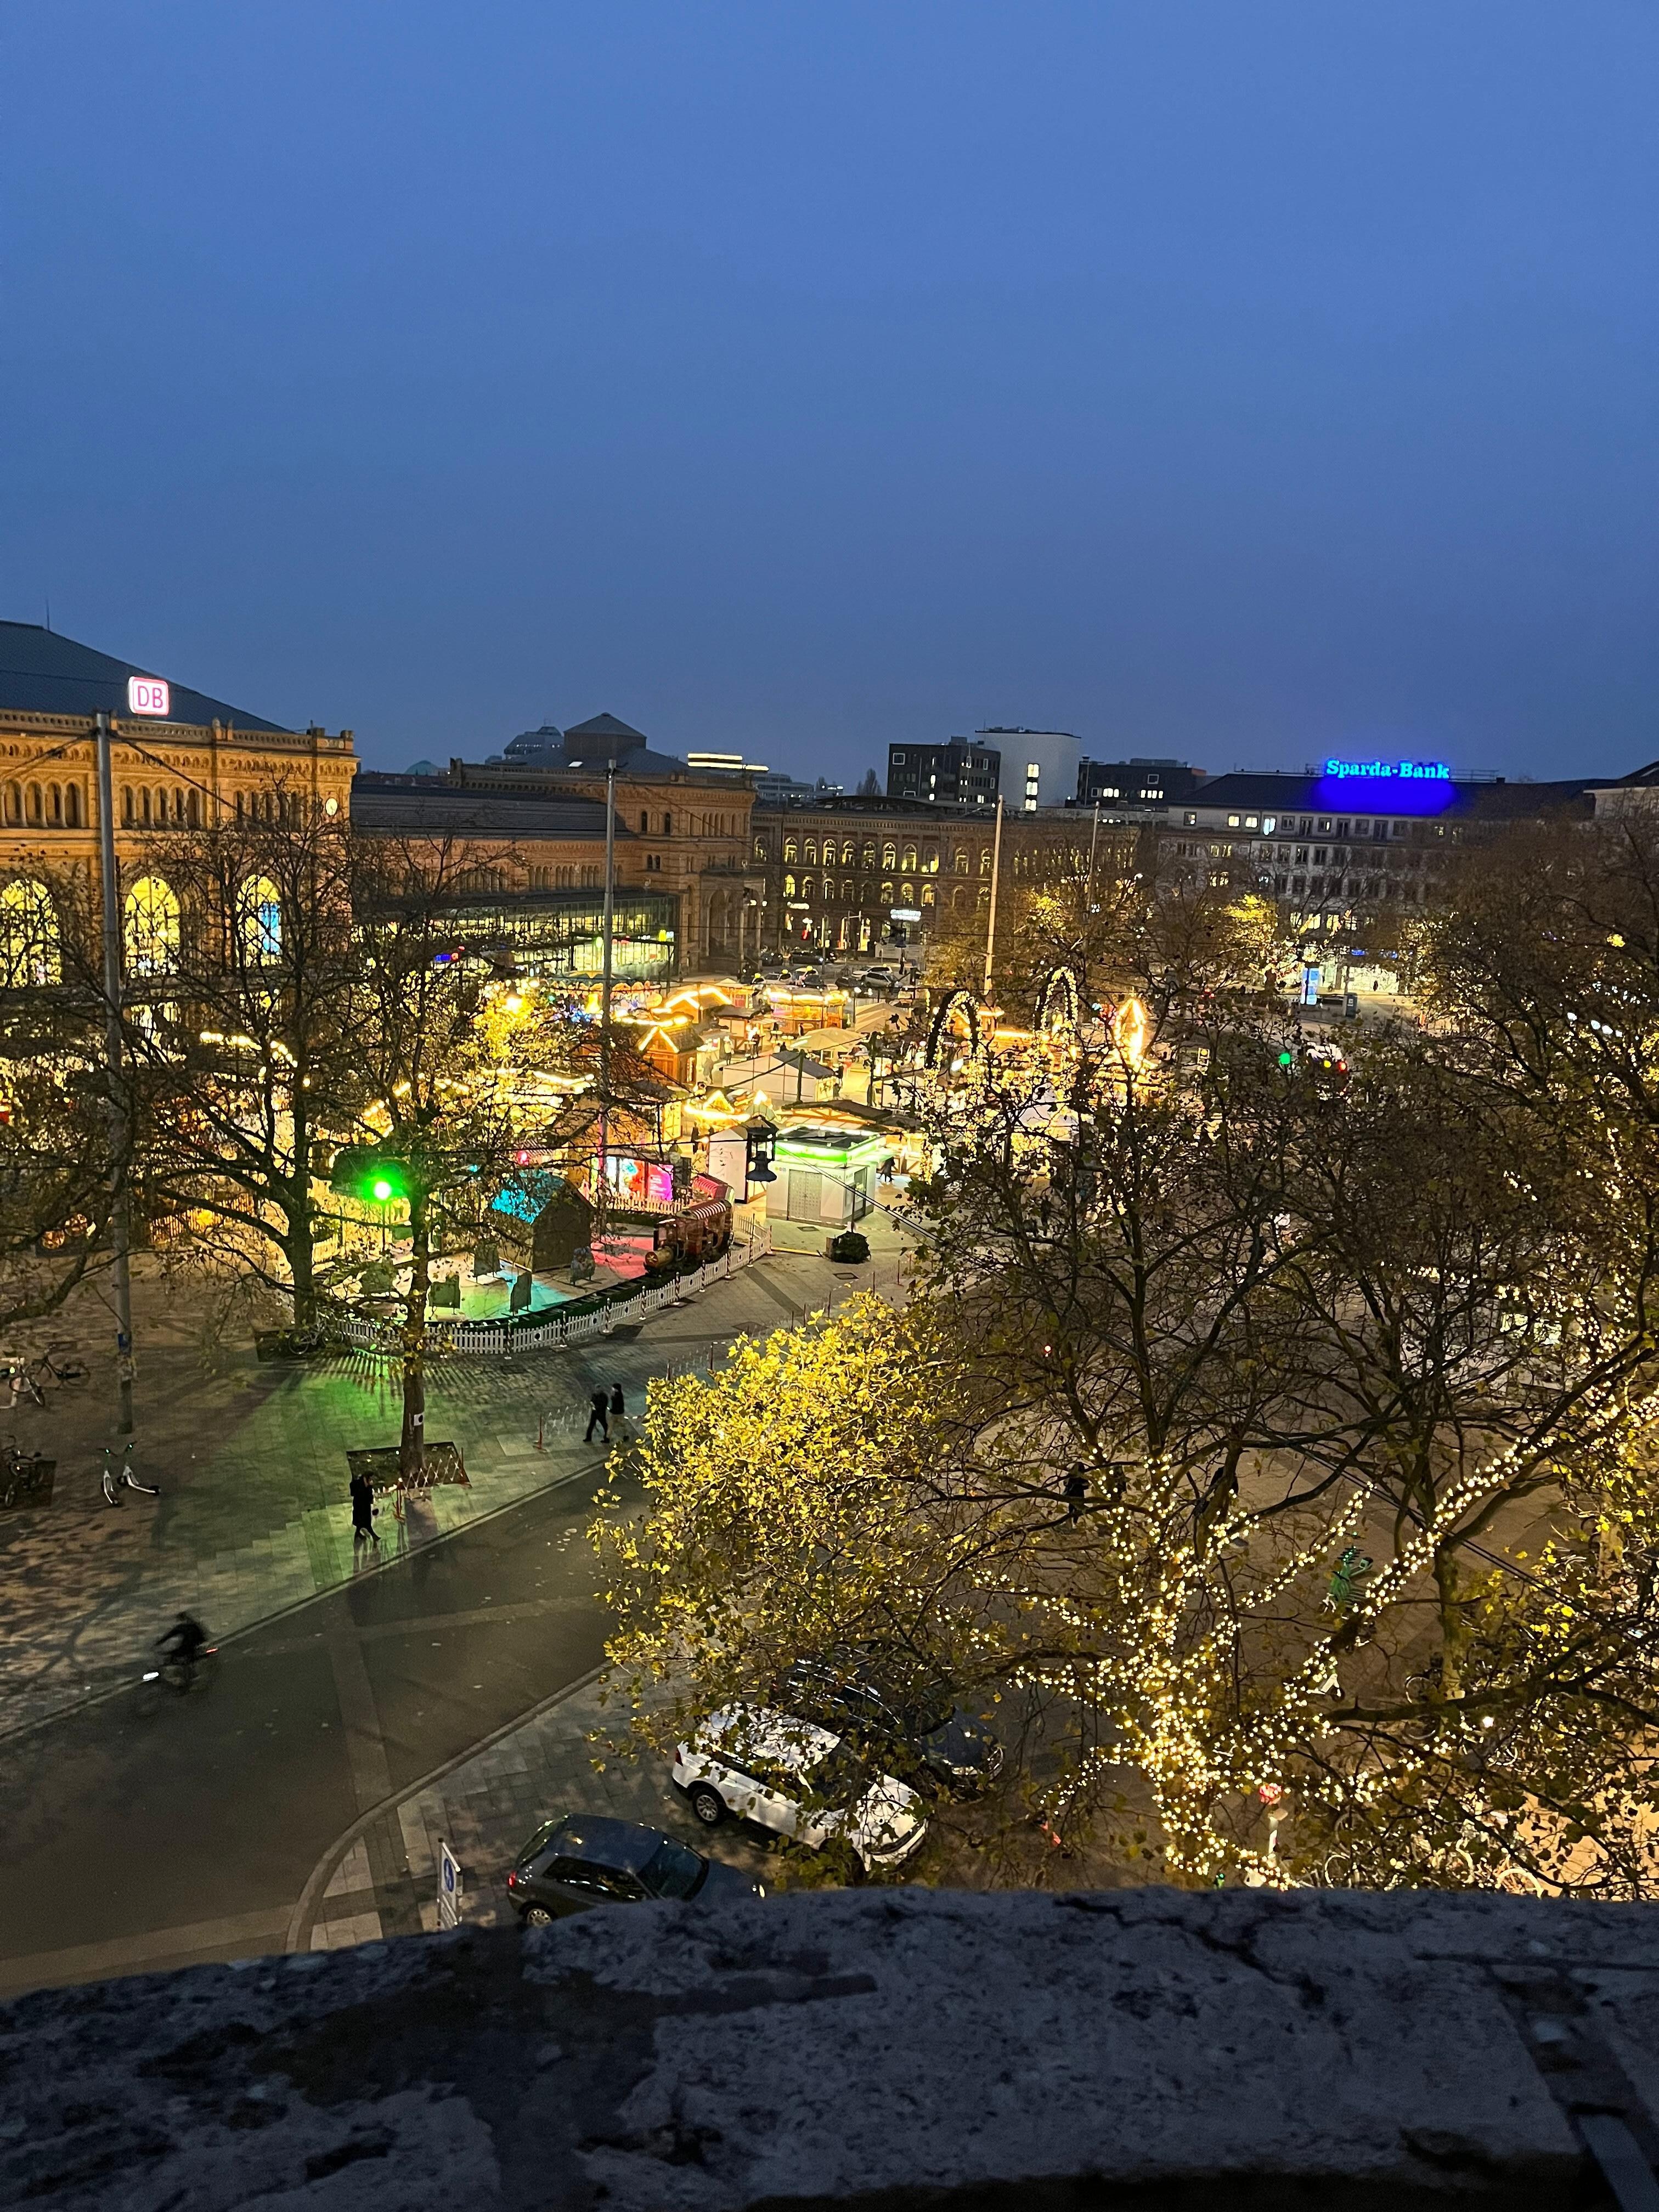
<point x="148" y="695"/>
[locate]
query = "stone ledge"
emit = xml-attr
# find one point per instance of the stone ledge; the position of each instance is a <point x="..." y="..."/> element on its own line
<point x="878" y="2049"/>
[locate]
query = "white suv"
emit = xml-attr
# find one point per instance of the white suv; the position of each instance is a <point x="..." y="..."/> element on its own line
<point x="798" y="1778"/>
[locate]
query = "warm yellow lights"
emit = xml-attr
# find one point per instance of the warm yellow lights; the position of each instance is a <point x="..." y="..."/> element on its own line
<point x="1132" y="1032"/>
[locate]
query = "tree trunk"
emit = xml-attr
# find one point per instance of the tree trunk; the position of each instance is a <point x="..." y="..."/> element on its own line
<point x="412" y="1452"/>
<point x="301" y="1262"/>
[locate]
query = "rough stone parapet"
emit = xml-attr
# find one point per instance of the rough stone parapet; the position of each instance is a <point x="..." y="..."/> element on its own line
<point x="882" y="2049"/>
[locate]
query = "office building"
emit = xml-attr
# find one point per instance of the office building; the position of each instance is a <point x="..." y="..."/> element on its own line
<point x="963" y="773"/>
<point x="1039" y="767"/>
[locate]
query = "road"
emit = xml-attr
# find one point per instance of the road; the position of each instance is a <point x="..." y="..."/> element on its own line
<point x="155" y="1831"/>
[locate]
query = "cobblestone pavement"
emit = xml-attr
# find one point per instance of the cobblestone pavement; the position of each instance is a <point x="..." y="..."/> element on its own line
<point x="253" y="1513"/>
<point x="485" y="1809"/>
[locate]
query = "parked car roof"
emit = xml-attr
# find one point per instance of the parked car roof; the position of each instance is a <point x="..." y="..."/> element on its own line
<point x="605" y="1842"/>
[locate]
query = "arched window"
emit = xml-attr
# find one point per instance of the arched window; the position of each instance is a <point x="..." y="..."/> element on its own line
<point x="14" y="802"/>
<point x="55" y="805"/>
<point x="261" y="917"/>
<point x="789" y="887"/>
<point x="889" y="856"/>
<point x="887" y="893"/>
<point x="789" y="849"/>
<point x="29" y="954"/>
<point x="869" y="853"/>
<point x="72" y="805"/>
<point x="910" y="857"/>
<point x="812" y="848"/>
<point x="930" y="863"/>
<point x="178" y="810"/>
<point x="847" y="891"/>
<point x="847" y="851"/>
<point x="960" y="862"/>
<point x="36" y="811"/>
<point x="806" y="887"/>
<point x="906" y="894"/>
<point x="240" y="806"/>
<point x="667" y="825"/>
<point x="152" y="927"/>
<point x="760" y="848"/>
<point x="985" y="859"/>
<point x="927" y="895"/>
<point x="193" y="808"/>
<point x="126" y="807"/>
<point x="144" y="806"/>
<point x="957" y="898"/>
<point x="645" y="823"/>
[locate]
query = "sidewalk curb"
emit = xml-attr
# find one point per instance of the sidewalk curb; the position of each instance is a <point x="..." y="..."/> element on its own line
<point x="303" y="1918"/>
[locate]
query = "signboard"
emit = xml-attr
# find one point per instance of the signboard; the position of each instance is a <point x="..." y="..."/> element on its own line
<point x="1373" y="771"/>
<point x="148" y="695"/>
<point x="449" y="1888"/>
<point x="647" y="1183"/>
<point x="905" y="913"/>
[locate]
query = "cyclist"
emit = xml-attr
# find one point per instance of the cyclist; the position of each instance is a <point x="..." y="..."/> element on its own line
<point x="187" y="1638"/>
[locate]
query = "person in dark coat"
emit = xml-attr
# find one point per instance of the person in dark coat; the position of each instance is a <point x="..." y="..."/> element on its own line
<point x="619" y="1407"/>
<point x="599" y="1419"/>
<point x="1076" y="1491"/>
<point x="362" y="1510"/>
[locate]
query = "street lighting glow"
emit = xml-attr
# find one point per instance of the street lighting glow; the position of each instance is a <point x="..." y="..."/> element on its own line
<point x="382" y="1189"/>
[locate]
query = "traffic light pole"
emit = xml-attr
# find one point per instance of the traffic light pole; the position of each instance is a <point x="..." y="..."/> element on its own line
<point x="120" y="1134"/>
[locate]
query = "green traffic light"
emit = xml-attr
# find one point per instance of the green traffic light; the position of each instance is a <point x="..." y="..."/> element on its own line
<point x="382" y="1188"/>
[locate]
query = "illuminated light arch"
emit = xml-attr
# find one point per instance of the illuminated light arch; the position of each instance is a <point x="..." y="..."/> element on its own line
<point x="30" y="955"/>
<point x="960" y="1006"/>
<point x="151" y="913"/>
<point x="1059" y="1002"/>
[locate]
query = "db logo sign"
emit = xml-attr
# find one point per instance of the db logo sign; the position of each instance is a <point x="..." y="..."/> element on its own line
<point x="148" y="695"/>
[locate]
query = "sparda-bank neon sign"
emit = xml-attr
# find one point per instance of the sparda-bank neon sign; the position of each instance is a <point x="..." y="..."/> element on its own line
<point x="1376" y="771"/>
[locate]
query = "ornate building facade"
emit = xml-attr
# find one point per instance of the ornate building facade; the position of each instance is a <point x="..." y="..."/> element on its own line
<point x="178" y="759"/>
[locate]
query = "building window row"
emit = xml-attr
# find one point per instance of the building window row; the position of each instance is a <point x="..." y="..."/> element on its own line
<point x="43" y="805"/>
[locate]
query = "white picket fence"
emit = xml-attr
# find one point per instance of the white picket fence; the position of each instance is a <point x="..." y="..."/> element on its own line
<point x="470" y="1339"/>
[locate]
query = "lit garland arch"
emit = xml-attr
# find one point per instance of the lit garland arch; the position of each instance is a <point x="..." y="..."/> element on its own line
<point x="960" y="1006"/>
<point x="1059" y="1002"/>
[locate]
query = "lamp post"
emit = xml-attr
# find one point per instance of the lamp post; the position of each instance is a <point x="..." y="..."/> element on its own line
<point x="120" y="1132"/>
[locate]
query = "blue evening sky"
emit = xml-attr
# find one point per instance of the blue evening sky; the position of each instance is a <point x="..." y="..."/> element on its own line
<point x="1241" y="379"/>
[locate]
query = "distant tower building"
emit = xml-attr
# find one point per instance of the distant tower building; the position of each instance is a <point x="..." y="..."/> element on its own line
<point x="960" y="774"/>
<point x="1041" y="767"/>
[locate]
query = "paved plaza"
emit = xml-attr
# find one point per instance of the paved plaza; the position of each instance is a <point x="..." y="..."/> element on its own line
<point x="250" y="1459"/>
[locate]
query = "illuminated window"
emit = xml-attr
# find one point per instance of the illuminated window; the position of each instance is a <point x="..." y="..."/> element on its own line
<point x="151" y="914"/>
<point x="889" y="856"/>
<point x="959" y="862"/>
<point x="29" y="954"/>
<point x="887" y="893"/>
<point x="985" y="859"/>
<point x="812" y="848"/>
<point x="789" y="851"/>
<point x="909" y="856"/>
<point x="789" y="887"/>
<point x="927" y="895"/>
<point x="869" y="853"/>
<point x="261" y="907"/>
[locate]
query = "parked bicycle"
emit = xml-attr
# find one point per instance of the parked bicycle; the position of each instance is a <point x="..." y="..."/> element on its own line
<point x="23" y="1382"/>
<point x="20" y="1473"/>
<point x="62" y="1364"/>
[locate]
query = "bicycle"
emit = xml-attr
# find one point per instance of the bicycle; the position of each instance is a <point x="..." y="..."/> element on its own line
<point x="19" y="1471"/>
<point x="63" y="1365"/>
<point x="22" y="1382"/>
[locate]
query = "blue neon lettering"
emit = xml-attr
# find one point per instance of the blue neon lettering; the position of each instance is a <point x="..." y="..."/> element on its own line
<point x="1393" y="771"/>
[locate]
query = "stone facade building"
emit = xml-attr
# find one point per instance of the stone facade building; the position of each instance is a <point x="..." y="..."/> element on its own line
<point x="836" y="874"/>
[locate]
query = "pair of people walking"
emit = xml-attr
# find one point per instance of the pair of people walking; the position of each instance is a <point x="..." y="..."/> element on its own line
<point x="606" y="1409"/>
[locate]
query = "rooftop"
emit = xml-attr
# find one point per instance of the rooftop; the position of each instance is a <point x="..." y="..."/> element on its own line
<point x="433" y="806"/>
<point x="44" y="673"/>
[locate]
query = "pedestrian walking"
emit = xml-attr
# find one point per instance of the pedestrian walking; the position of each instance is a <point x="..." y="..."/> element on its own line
<point x="362" y="1511"/>
<point x="618" y="1407"/>
<point x="600" y="1417"/>
<point x="1077" y="1489"/>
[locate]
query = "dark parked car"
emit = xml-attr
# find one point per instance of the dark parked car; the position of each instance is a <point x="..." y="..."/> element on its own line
<point x="588" y="1859"/>
<point x="917" y="1734"/>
